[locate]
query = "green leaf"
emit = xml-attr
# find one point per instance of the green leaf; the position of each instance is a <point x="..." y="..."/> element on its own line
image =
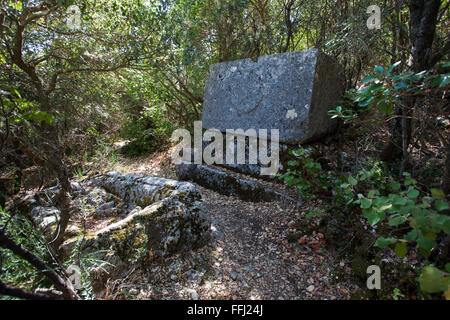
<point x="403" y="76"/>
<point x="389" y="70"/>
<point x="385" y="207"/>
<point x="441" y="205"/>
<point x="292" y="163"/>
<point x="426" y="243"/>
<point x="400" y="249"/>
<point x="420" y="75"/>
<point x="430" y="279"/>
<point x="371" y="216"/>
<point x="413" y="193"/>
<point x="400" y="85"/>
<point x="378" y="69"/>
<point x="384" y="242"/>
<point x="373" y="193"/>
<point x="369" y="78"/>
<point x="397" y="220"/>
<point x="395" y="186"/>
<point x="398" y="200"/>
<point x="366" y="203"/>
<point x="412" y="235"/>
<point x="39" y="116"/>
<point x="437" y="193"/>
<point x="366" y="102"/>
<point x="445" y="79"/>
<point x="352" y="181"/>
<point x="447" y="267"/>
<point x="446" y="226"/>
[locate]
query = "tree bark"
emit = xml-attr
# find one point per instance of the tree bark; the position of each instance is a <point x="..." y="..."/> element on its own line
<point x="446" y="179"/>
<point x="18" y="250"/>
<point x="423" y="18"/>
<point x="424" y="14"/>
<point x="20" y="293"/>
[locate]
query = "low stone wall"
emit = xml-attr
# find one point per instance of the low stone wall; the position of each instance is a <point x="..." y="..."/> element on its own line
<point x="155" y="217"/>
<point x="226" y="184"/>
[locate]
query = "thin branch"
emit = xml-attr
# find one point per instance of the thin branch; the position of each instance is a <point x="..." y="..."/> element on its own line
<point x="20" y="293"/>
<point x="18" y="250"/>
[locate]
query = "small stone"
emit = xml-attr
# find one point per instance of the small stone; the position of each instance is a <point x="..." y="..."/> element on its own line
<point x="173" y="277"/>
<point x="195" y="276"/>
<point x="175" y="267"/>
<point x="193" y="294"/>
<point x="310" y="288"/>
<point x="216" y="233"/>
<point x="133" y="292"/>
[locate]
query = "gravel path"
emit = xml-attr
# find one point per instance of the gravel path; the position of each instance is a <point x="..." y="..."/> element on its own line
<point x="250" y="258"/>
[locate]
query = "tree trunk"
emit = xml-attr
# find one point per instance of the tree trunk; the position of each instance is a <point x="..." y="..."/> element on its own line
<point x="446" y="179"/>
<point x="423" y="17"/>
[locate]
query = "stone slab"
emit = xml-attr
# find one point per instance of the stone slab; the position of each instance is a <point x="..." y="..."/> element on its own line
<point x="291" y="92"/>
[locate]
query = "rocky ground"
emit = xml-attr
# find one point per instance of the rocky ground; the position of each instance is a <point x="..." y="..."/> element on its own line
<point x="251" y="255"/>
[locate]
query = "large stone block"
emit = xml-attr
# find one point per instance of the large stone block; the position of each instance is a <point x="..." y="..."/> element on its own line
<point x="291" y="92"/>
<point x="227" y="184"/>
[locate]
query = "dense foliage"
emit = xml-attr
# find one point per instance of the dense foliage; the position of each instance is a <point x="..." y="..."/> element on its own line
<point x="72" y="85"/>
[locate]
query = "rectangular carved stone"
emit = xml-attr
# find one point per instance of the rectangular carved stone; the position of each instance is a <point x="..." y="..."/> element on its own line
<point x="291" y="92"/>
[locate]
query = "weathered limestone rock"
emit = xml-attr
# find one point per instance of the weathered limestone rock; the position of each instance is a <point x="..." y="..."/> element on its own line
<point x="172" y="220"/>
<point x="291" y="92"/>
<point x="45" y="217"/>
<point x="169" y="225"/>
<point x="142" y="190"/>
<point x="47" y="196"/>
<point x="251" y="169"/>
<point x="226" y="184"/>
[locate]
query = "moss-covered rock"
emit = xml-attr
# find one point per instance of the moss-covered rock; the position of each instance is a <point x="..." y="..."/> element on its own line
<point x="140" y="189"/>
<point x="227" y="184"/>
<point x="173" y="224"/>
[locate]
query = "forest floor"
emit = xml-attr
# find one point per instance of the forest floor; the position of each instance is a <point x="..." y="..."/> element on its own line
<point x="251" y="256"/>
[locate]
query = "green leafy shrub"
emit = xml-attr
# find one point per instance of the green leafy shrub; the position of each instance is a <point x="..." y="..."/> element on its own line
<point x="383" y="90"/>
<point x="146" y="134"/>
<point x="404" y="207"/>
<point x="383" y="201"/>
<point x="304" y="173"/>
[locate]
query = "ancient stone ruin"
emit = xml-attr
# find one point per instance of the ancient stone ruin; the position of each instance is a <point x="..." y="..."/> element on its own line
<point x="119" y="215"/>
<point x="290" y="92"/>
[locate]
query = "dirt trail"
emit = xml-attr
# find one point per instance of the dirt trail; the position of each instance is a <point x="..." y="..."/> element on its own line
<point x="250" y="258"/>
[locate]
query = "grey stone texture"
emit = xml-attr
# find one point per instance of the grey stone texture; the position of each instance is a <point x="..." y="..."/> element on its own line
<point x="172" y="216"/>
<point x="144" y="215"/>
<point x="227" y="184"/>
<point x="142" y="190"/>
<point x="291" y="92"/>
